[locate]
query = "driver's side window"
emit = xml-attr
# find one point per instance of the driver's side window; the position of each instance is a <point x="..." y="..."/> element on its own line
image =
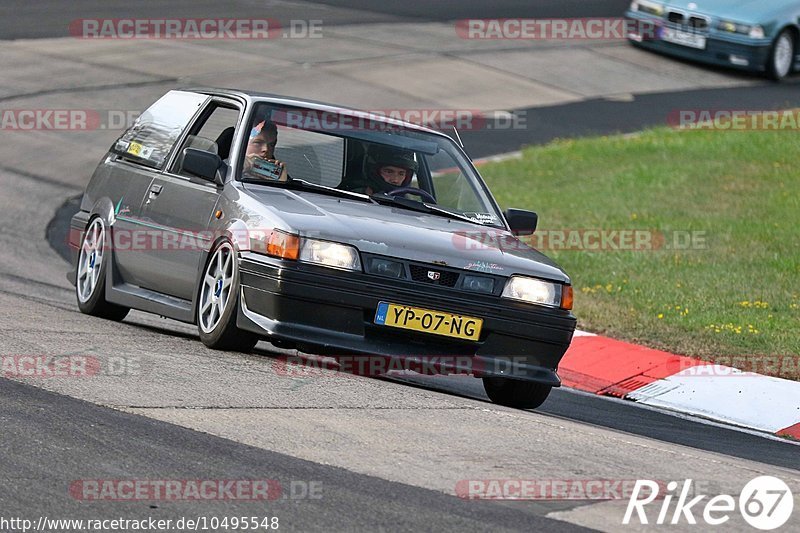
<point x="212" y="133"/>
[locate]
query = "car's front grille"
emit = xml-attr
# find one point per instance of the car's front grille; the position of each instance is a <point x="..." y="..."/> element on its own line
<point x="431" y="275"/>
<point x="698" y="23"/>
<point x="675" y="17"/>
<point x="434" y="276"/>
<point x="693" y="23"/>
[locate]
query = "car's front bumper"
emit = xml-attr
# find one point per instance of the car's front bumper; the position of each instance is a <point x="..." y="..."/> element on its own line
<point x="722" y="49"/>
<point x="333" y="312"/>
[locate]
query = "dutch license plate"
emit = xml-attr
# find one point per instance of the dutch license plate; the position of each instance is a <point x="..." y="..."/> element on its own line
<point x="684" y="38"/>
<point x="428" y="321"/>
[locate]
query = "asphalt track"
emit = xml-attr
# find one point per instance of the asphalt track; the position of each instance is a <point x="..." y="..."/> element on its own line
<point x="77" y="440"/>
<point x="633" y="113"/>
<point x="573" y="405"/>
<point x="51" y="439"/>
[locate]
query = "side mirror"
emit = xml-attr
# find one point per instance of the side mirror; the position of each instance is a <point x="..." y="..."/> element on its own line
<point x="521" y="222"/>
<point x="202" y="164"/>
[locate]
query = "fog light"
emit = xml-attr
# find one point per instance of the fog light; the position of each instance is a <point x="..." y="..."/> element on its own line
<point x="478" y="284"/>
<point x="385" y="267"/>
<point x="739" y="60"/>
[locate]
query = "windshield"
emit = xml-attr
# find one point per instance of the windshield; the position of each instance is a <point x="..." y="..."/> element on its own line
<point x="363" y="155"/>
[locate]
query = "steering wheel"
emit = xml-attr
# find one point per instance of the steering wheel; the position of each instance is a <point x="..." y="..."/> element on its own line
<point x="425" y="195"/>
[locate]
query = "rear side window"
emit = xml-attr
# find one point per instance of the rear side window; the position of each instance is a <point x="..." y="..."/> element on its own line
<point x="150" y="139"/>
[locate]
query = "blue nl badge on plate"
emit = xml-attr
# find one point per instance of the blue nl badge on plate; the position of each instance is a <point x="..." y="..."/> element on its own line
<point x="380" y="314"/>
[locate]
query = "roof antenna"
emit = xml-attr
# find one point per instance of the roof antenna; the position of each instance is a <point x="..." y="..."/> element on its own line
<point x="458" y="137"/>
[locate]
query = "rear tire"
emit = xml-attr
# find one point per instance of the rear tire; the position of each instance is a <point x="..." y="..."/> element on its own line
<point x="515" y="392"/>
<point x="92" y="268"/>
<point x="218" y="302"/>
<point x="781" y="59"/>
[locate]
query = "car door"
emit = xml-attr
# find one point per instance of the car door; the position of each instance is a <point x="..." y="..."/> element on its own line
<point x="136" y="158"/>
<point x="179" y="206"/>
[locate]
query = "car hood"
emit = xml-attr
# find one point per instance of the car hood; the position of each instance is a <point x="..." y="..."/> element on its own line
<point x="739" y="10"/>
<point x="398" y="232"/>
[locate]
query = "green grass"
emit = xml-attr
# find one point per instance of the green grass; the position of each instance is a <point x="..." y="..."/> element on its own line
<point x="735" y="294"/>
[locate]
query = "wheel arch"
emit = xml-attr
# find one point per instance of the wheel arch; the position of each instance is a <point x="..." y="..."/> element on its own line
<point x="794" y="29"/>
<point x="235" y="232"/>
<point x="103" y="208"/>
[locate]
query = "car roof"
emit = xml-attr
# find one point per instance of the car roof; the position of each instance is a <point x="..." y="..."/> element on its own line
<point x="255" y="96"/>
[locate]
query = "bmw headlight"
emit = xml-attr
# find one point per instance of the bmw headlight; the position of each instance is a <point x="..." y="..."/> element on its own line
<point x="538" y="291"/>
<point x="753" y="31"/>
<point x="329" y="254"/>
<point x="646" y="6"/>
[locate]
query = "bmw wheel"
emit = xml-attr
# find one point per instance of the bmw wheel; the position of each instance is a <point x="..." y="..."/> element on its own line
<point x="218" y="302"/>
<point x="91" y="278"/>
<point x="515" y="392"/>
<point x="781" y="59"/>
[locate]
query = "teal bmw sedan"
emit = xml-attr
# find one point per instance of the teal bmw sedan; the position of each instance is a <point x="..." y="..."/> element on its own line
<point x="755" y="35"/>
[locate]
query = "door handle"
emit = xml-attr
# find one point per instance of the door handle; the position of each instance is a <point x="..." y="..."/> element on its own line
<point x="155" y="190"/>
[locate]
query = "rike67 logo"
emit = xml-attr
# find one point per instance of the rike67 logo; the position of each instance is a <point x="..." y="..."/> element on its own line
<point x="766" y="503"/>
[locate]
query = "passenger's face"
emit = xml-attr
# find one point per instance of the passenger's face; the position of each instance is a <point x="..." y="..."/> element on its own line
<point x="393" y="175"/>
<point x="263" y="145"/>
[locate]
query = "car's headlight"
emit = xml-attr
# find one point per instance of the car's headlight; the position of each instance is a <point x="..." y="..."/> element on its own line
<point x="329" y="254"/>
<point x="753" y="31"/>
<point x="645" y="6"/>
<point x="538" y="291"/>
<point x="285" y="245"/>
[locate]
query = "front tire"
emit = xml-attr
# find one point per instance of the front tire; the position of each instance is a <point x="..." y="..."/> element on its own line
<point x="92" y="269"/>
<point x="781" y="59"/>
<point x="218" y="301"/>
<point x="515" y="392"/>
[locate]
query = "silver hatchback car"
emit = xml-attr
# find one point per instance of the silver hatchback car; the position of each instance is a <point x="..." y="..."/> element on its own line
<point x="323" y="228"/>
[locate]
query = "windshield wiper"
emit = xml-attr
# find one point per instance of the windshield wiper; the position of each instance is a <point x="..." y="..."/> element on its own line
<point x="456" y="216"/>
<point x="415" y="205"/>
<point x="303" y="185"/>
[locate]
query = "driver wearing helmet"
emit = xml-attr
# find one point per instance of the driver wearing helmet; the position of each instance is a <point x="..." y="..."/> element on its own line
<point x="386" y="169"/>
